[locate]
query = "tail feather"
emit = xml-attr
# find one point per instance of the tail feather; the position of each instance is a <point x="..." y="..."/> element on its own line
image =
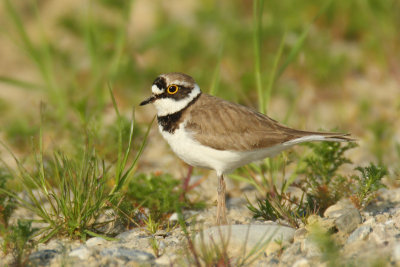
<point x="321" y="136"/>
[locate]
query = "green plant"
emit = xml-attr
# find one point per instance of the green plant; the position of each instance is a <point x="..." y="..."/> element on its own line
<point x="17" y="240"/>
<point x="155" y="246"/>
<point x="75" y="189"/>
<point x="151" y="225"/>
<point x="322" y="184"/>
<point x="280" y="205"/>
<point x="368" y="184"/>
<point x="7" y="202"/>
<point x="159" y="193"/>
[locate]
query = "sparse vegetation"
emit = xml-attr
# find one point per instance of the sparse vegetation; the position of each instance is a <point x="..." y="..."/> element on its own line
<point x="18" y="241"/>
<point x="159" y="193"/>
<point x="321" y="185"/>
<point x="74" y="188"/>
<point x="367" y="184"/>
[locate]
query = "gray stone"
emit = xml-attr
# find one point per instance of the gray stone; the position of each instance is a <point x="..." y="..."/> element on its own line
<point x="130" y="235"/>
<point x="360" y="233"/>
<point x="346" y="216"/>
<point x="81" y="252"/>
<point x="42" y="257"/>
<point x="310" y="248"/>
<point x="127" y="254"/>
<point x="95" y="241"/>
<point x="246" y="237"/>
<point x="290" y="252"/>
<point x="337" y="210"/>
<point x="348" y="221"/>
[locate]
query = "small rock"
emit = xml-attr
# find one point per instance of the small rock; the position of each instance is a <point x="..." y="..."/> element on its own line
<point x="302" y="263"/>
<point x="187" y="215"/>
<point x="360" y="233"/>
<point x="310" y="248"/>
<point x="111" y="224"/>
<point x="166" y="260"/>
<point x="42" y="257"/>
<point x="290" y="252"/>
<point x="173" y="217"/>
<point x="349" y="221"/>
<point x="336" y="210"/>
<point x="81" y="252"/>
<point x="129" y="235"/>
<point x="127" y="254"/>
<point x="346" y="216"/>
<point x="239" y="237"/>
<point x="396" y="252"/>
<point x="95" y="241"/>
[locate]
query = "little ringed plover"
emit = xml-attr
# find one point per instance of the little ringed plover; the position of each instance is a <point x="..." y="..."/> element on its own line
<point x="209" y="132"/>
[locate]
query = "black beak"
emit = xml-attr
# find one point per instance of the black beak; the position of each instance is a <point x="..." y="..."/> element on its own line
<point x="151" y="99"/>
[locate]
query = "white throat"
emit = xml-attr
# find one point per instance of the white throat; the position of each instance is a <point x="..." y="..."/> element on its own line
<point x="166" y="106"/>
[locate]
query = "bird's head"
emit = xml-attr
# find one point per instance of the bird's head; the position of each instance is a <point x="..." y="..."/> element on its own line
<point x="172" y="92"/>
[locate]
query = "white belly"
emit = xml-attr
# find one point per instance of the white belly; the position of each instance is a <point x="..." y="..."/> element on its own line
<point x="195" y="154"/>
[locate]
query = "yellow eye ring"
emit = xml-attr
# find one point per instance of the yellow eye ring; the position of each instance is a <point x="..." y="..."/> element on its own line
<point x="172" y="89"/>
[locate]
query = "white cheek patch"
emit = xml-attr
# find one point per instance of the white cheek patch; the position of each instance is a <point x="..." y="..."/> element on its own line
<point x="166" y="106"/>
<point x="155" y="90"/>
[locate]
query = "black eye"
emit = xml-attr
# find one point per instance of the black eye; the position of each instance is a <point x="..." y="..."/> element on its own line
<point x="172" y="89"/>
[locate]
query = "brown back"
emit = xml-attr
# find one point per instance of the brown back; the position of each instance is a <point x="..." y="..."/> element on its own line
<point x="224" y="125"/>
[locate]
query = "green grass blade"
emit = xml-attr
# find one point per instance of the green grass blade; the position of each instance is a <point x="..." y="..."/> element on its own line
<point x="102" y="236"/>
<point x="257" y="20"/>
<point x="272" y="77"/>
<point x="19" y="83"/>
<point x="216" y="75"/>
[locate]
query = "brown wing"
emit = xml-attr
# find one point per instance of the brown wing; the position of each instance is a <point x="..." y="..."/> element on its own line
<point x="224" y="125"/>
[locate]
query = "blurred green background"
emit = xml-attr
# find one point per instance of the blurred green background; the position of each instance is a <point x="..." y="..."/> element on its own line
<point x="66" y="54"/>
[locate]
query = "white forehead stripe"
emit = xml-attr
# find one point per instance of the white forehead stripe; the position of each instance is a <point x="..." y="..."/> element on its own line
<point x="156" y="90"/>
<point x="182" y="83"/>
<point x="166" y="106"/>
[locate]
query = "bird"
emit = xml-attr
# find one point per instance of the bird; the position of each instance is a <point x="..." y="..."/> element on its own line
<point x="212" y="133"/>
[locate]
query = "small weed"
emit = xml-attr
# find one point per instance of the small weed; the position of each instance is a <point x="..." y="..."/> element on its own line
<point x="159" y="193"/>
<point x="155" y="246"/>
<point x="18" y="241"/>
<point x="151" y="226"/>
<point x="322" y="184"/>
<point x="7" y="202"/>
<point x="368" y="184"/>
<point x="279" y="205"/>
